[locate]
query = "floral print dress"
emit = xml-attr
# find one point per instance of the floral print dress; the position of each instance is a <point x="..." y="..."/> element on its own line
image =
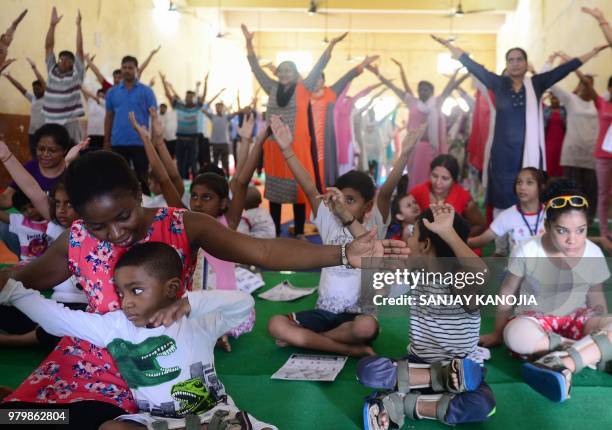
<point x="77" y="370"/>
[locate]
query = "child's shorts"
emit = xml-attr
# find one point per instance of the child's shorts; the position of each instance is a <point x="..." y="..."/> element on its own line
<point x="569" y="326"/>
<point x="319" y="320"/>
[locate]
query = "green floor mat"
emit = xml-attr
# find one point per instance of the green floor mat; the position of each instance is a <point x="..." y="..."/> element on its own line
<point x="338" y="406"/>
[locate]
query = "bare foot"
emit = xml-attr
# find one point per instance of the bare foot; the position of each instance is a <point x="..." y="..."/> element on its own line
<point x="361" y="350"/>
<point x="223" y="342"/>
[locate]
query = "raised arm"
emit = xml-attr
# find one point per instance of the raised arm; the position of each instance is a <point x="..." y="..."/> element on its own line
<point x="603" y="22"/>
<point x="167" y="91"/>
<point x="144" y="65"/>
<point x="88" y="95"/>
<point x="387" y="82"/>
<point x="452" y="83"/>
<point x="489" y="79"/>
<point x="543" y="81"/>
<point x="37" y="73"/>
<point x="99" y="76"/>
<point x="79" y="36"/>
<point x="262" y="77"/>
<point x="403" y="76"/>
<point x="168" y="190"/>
<point x="383" y="199"/>
<point x="168" y="163"/>
<point x="205" y="89"/>
<point x="25" y="181"/>
<point x="311" y="80"/>
<point x="15" y="83"/>
<point x="7" y="37"/>
<point x="244" y="171"/>
<point x="216" y="96"/>
<point x="50" y="39"/>
<point x="342" y="83"/>
<point x="371" y="101"/>
<point x="282" y="135"/>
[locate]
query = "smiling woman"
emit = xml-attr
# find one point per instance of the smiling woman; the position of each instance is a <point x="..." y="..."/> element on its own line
<point x="106" y="195"/>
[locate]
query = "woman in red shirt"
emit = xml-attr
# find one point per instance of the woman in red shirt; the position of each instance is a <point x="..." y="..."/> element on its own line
<point x="442" y="187"/>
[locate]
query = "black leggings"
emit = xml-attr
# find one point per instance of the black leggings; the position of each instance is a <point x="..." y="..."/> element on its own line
<point x="299" y="217"/>
<point x="84" y="415"/>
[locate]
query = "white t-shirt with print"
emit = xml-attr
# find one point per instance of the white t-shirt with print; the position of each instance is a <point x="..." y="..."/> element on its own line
<point x="159" y="364"/>
<point x="339" y="287"/>
<point x="68" y="291"/>
<point x="257" y="222"/>
<point x="557" y="291"/>
<point x="32" y="235"/>
<point x="510" y="221"/>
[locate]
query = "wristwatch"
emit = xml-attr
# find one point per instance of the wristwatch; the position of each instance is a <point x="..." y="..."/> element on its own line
<point x="345" y="261"/>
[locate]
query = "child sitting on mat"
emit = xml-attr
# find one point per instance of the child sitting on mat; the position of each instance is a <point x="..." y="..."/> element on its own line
<point x="568" y="327"/>
<point x="337" y="325"/>
<point x="170" y="370"/>
<point x="440" y="378"/>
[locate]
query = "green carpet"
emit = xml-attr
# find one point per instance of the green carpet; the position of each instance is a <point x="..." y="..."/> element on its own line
<point x="312" y="405"/>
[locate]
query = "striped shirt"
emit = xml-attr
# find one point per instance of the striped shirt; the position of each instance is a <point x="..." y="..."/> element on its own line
<point x="62" y="101"/>
<point x="441" y="332"/>
<point x="186" y="117"/>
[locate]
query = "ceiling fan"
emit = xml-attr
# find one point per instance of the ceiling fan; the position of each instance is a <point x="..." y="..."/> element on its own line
<point x="460" y="12"/>
<point x="313" y="8"/>
<point x="220" y="34"/>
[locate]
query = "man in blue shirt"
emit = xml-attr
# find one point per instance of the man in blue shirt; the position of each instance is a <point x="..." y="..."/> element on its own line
<point x="119" y="135"/>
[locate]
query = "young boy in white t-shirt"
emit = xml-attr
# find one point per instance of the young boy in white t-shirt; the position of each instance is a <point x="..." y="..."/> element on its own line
<point x="170" y="370"/>
<point x="350" y="209"/>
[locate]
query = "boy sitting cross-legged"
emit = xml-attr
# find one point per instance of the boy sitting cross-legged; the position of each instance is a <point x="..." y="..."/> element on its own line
<point x="170" y="370"/>
<point x="337" y="324"/>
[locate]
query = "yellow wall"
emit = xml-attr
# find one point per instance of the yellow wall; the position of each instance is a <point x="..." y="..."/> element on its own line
<point x="114" y="28"/>
<point x="418" y="53"/>
<point x="544" y="26"/>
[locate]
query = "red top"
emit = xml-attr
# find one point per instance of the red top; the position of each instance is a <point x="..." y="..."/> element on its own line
<point x="554" y="134"/>
<point x="457" y="197"/>
<point x="77" y="370"/>
<point x="604" y="111"/>
<point x="479" y="135"/>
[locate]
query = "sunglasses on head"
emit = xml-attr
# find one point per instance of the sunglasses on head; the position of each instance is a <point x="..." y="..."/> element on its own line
<point x="562" y="201"/>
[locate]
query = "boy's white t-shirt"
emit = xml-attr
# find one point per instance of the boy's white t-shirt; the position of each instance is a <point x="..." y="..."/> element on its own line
<point x="339" y="287"/>
<point x="68" y="291"/>
<point x="32" y="235"/>
<point x="557" y="291"/>
<point x="257" y="222"/>
<point x="160" y="365"/>
<point x="510" y="221"/>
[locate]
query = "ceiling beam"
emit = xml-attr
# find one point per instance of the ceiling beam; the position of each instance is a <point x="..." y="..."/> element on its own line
<point x="414" y="6"/>
<point x="372" y="23"/>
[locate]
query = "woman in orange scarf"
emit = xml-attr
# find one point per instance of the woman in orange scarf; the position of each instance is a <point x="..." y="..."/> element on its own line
<point x="288" y="97"/>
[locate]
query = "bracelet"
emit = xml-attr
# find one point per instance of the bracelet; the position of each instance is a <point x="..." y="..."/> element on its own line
<point x="345" y="261"/>
<point x="292" y="155"/>
<point x="7" y="158"/>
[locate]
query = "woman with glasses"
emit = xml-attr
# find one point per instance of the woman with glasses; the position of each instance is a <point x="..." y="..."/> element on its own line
<point x="561" y="320"/>
<point x="52" y="142"/>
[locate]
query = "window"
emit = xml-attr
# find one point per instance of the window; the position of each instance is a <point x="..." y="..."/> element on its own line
<point x="302" y="60"/>
<point x="446" y="64"/>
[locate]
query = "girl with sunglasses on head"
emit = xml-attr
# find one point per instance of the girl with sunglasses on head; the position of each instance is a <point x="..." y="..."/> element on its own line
<point x="568" y="327"/>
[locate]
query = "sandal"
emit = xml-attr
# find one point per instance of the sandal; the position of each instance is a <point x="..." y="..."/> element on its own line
<point x="549" y="376"/>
